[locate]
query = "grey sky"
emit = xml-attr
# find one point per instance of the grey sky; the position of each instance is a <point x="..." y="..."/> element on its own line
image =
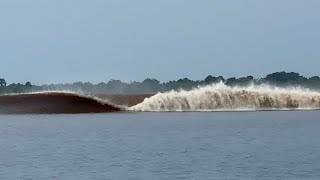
<point x="49" y="41"/>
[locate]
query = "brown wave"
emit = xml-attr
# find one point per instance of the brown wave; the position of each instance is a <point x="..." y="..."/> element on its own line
<point x="127" y="100"/>
<point x="67" y="103"/>
<point x="53" y="103"/>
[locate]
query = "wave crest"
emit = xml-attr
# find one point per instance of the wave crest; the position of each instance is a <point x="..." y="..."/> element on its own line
<point x="219" y="97"/>
<point x="54" y="103"/>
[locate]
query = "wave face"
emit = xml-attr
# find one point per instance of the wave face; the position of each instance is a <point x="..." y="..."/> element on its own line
<point x="54" y="103"/>
<point x="219" y="97"/>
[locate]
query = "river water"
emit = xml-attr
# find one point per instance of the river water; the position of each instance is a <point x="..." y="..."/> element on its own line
<point x="203" y="145"/>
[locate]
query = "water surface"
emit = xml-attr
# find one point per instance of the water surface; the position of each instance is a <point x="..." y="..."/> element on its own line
<point x="216" y="145"/>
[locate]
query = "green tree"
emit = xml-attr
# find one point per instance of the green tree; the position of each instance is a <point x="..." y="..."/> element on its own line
<point x="28" y="85"/>
<point x="3" y="83"/>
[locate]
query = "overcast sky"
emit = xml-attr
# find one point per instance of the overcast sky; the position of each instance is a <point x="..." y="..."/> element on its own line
<point x="50" y="41"/>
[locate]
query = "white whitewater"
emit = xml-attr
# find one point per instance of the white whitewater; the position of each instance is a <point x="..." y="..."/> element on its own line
<point x="219" y="97"/>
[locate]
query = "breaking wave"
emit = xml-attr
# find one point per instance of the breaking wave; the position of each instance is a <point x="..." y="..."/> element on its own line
<point x="219" y="97"/>
<point x="216" y="97"/>
<point x="54" y="103"/>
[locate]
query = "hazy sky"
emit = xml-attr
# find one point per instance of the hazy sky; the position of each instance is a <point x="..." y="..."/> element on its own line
<point x="49" y="41"/>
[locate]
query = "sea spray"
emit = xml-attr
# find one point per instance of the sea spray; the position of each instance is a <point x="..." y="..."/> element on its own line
<point x="219" y="97"/>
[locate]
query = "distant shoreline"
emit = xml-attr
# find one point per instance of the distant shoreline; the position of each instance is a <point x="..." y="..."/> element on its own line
<point x="152" y="86"/>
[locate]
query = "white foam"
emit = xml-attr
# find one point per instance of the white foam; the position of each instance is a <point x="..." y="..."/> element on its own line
<point x="219" y="97"/>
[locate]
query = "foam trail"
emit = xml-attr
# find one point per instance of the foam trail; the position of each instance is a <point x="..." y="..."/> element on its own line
<point x="219" y="97"/>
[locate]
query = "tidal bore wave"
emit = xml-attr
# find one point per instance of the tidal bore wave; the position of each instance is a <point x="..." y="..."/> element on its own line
<point x="54" y="103"/>
<point x="219" y="97"/>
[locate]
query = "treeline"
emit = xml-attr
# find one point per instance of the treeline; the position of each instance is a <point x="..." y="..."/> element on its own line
<point x="150" y="85"/>
<point x="15" y="88"/>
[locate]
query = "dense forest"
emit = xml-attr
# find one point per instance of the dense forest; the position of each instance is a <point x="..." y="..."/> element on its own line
<point x="149" y="85"/>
